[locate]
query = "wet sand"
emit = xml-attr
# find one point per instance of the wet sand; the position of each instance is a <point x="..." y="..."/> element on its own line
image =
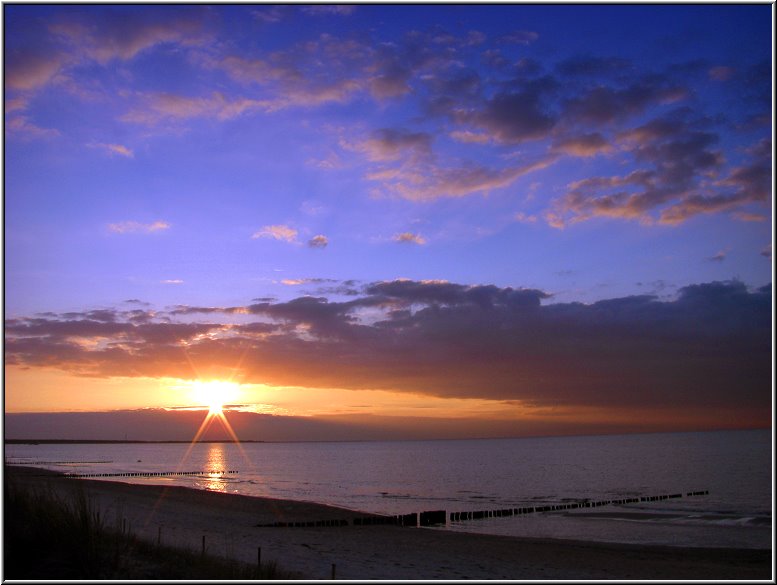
<point x="230" y="524"/>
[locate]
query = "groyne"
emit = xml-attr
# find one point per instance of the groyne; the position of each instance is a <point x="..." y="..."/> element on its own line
<point x="442" y="517"/>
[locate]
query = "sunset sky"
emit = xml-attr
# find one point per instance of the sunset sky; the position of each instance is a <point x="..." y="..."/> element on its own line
<point x="442" y="220"/>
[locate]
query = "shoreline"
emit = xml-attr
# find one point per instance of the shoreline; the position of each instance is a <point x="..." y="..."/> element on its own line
<point x="230" y="526"/>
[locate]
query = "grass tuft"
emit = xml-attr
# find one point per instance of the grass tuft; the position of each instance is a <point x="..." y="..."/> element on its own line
<point x="49" y="537"/>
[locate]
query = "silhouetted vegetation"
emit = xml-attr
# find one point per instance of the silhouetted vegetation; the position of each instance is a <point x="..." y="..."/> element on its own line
<point x="48" y="537"/>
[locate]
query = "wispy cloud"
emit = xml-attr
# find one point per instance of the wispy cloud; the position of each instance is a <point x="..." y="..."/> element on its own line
<point x="721" y="73"/>
<point x="585" y="145"/>
<point x="22" y="127"/>
<point x="426" y="179"/>
<point x="155" y="108"/>
<point x="173" y="281"/>
<point x="409" y="238"/>
<point x="122" y="36"/>
<point x="113" y="149"/>
<point x="277" y="232"/>
<point x="525" y="217"/>
<point x="520" y="37"/>
<point x="329" y="9"/>
<point x="719" y="257"/>
<point x="749" y="216"/>
<point x="129" y="227"/>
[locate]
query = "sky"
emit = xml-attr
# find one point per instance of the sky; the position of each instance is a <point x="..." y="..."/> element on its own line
<point x="418" y="220"/>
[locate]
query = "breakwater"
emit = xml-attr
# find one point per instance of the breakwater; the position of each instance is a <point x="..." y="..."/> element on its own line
<point x="504" y="512"/>
<point x="441" y="517"/>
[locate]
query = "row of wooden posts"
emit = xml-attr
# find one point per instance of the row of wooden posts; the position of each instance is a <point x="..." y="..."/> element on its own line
<point x="147" y="473"/>
<point x="482" y="514"/>
<point x="440" y="517"/>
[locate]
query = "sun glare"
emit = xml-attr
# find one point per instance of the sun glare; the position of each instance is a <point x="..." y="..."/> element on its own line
<point x="214" y="394"/>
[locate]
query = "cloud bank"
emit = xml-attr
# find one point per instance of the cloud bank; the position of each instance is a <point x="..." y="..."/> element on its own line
<point x="709" y="348"/>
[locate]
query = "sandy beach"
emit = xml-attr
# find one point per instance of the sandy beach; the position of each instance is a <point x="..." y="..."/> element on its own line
<point x="231" y="527"/>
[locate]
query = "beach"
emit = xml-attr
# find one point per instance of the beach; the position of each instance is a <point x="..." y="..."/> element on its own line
<point x="237" y="526"/>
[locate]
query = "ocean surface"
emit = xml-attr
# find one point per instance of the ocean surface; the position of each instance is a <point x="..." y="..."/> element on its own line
<point x="400" y="477"/>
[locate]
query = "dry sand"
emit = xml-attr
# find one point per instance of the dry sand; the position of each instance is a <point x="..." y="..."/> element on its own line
<point x="183" y="516"/>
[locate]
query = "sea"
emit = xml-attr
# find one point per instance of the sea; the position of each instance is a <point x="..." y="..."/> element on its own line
<point x="730" y="473"/>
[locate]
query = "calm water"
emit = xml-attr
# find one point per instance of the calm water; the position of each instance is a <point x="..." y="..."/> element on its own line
<point x="461" y="475"/>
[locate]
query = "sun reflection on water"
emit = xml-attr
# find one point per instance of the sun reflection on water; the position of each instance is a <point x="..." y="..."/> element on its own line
<point x="217" y="467"/>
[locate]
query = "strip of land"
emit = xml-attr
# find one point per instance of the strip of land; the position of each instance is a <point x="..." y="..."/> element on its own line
<point x="231" y="526"/>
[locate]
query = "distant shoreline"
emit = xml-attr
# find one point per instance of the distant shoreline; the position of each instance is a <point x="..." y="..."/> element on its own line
<point x="108" y="441"/>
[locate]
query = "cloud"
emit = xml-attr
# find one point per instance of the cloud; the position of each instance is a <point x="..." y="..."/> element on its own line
<point x="680" y="173"/>
<point x="277" y="232"/>
<point x="524" y="217"/>
<point x="767" y="251"/>
<point x="409" y="238"/>
<point x="112" y="149"/>
<point x="515" y="117"/>
<point x="425" y="180"/>
<point x="585" y="145"/>
<point x="20" y="126"/>
<point x="748" y="216"/>
<point x="602" y="105"/>
<point x="596" y="67"/>
<point x="721" y="73"/>
<point x="173" y="281"/>
<point x="390" y="144"/>
<point x="329" y="9"/>
<point x="719" y="257"/>
<point x="28" y="70"/>
<point x="322" y="71"/>
<point x="709" y="348"/>
<point x="469" y="137"/>
<point x="130" y="227"/>
<point x="318" y="241"/>
<point x="519" y="37"/>
<point x="121" y="35"/>
<point x="269" y="14"/>
<point x="155" y="108"/>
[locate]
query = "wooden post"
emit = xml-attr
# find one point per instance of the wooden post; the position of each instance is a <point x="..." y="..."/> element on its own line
<point x="259" y="557"/>
<point x="333" y="570"/>
<point x="203" y="545"/>
<point x="159" y="536"/>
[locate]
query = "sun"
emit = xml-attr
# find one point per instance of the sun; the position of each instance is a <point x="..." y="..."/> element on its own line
<point x="214" y="394"/>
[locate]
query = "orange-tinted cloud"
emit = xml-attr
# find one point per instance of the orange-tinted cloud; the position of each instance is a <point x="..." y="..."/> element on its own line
<point x="680" y="175"/>
<point x="129" y="227"/>
<point x="708" y="348"/>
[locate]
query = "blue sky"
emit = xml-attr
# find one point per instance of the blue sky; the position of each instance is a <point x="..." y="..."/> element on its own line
<point x="162" y="156"/>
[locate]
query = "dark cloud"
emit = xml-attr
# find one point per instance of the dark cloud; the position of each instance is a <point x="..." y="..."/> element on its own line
<point x="602" y="105"/>
<point x="680" y="174"/>
<point x="319" y="241"/>
<point x="594" y="66"/>
<point x="709" y="348"/>
<point x="516" y="116"/>
<point x="389" y="144"/>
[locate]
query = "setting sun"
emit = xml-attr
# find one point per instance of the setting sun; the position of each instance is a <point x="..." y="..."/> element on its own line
<point x="214" y="394"/>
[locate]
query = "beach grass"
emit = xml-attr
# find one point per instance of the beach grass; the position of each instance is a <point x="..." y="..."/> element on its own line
<point x="49" y="536"/>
